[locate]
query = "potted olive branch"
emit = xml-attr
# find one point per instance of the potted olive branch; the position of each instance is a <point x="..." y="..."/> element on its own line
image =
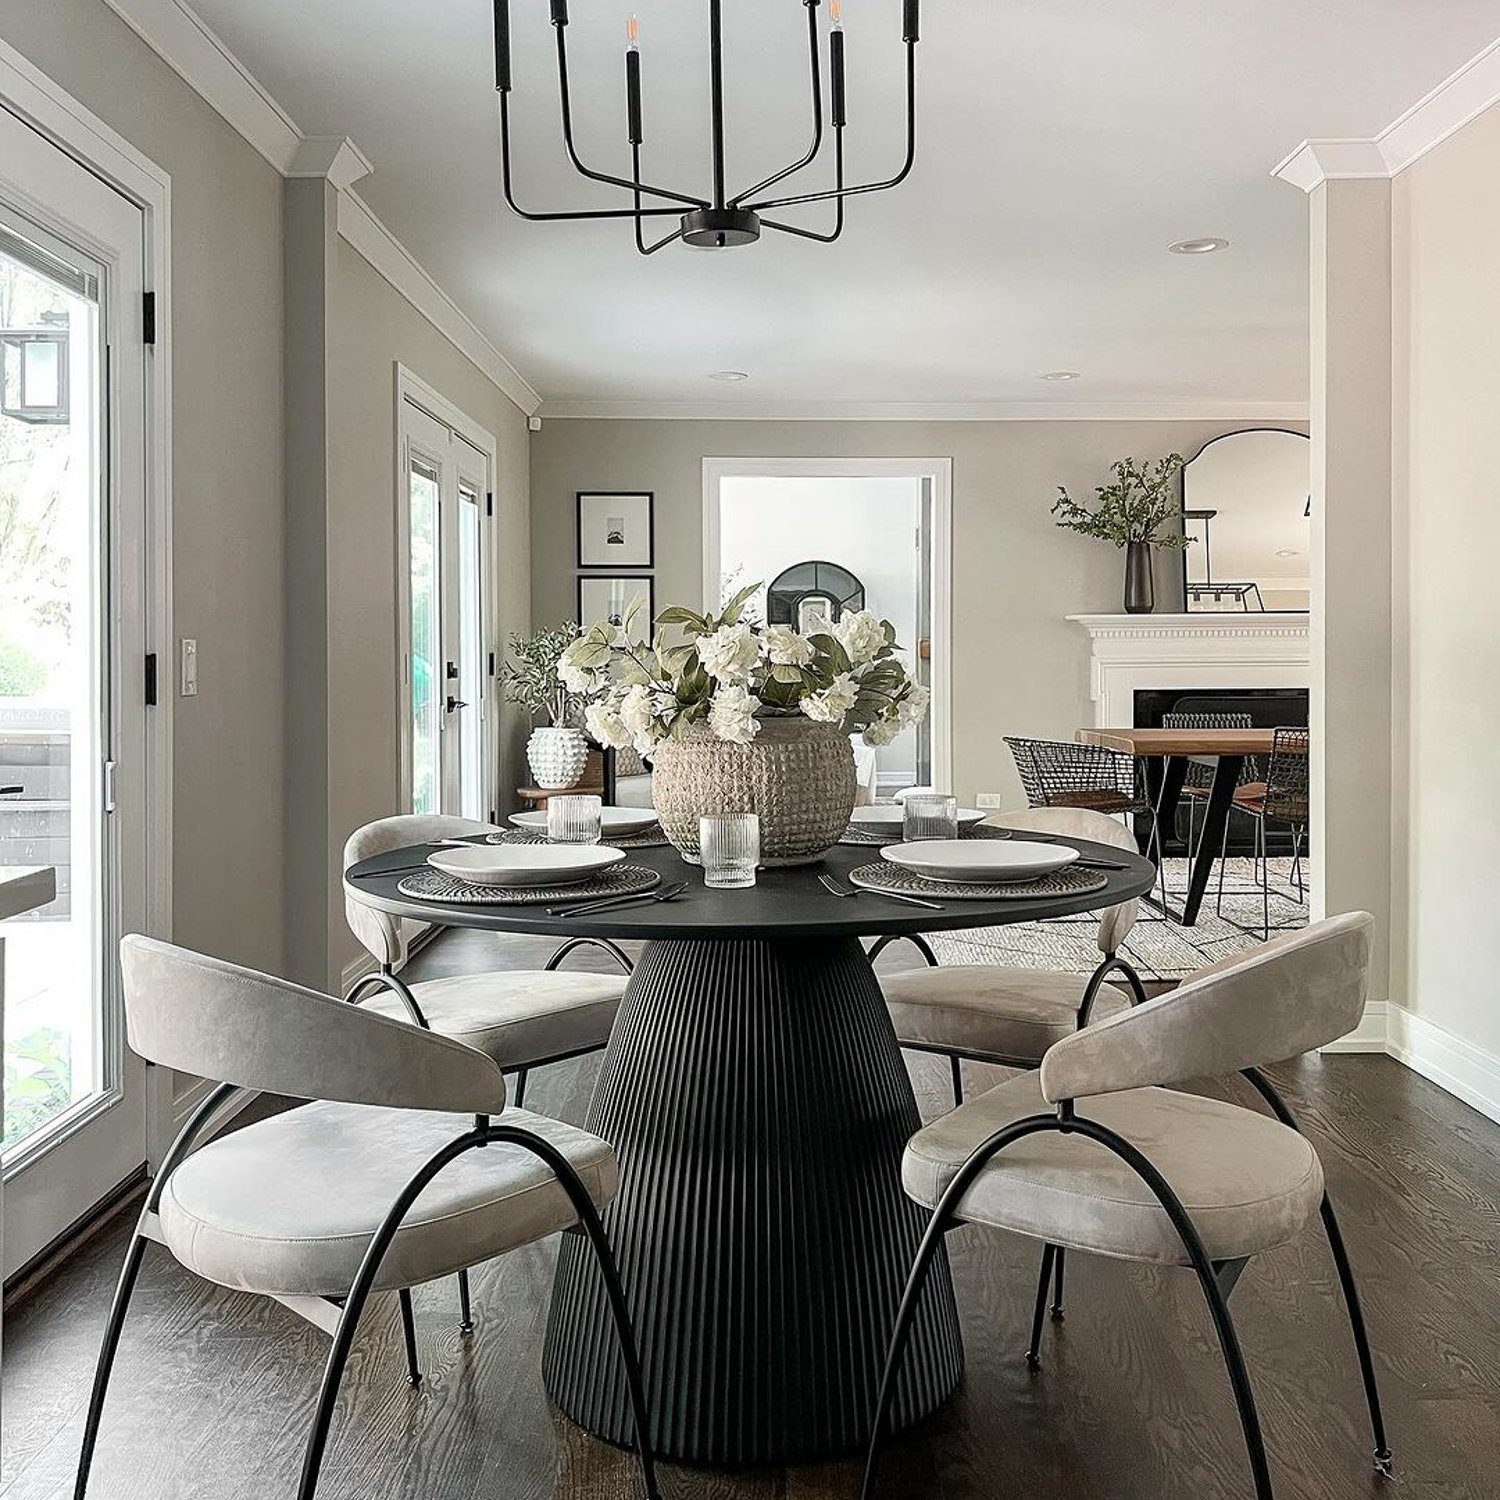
<point x="557" y="750"/>
<point x="1138" y="511"/>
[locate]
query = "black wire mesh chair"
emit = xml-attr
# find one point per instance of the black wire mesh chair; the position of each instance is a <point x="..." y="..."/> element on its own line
<point x="1281" y="798"/>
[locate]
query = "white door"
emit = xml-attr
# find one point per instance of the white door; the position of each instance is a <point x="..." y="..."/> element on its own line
<point x="446" y="679"/>
<point x="72" y="692"/>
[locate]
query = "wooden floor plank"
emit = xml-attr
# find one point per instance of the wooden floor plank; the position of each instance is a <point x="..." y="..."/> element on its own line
<point x="215" y="1389"/>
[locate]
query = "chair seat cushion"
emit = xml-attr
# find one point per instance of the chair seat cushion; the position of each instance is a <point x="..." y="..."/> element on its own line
<point x="516" y="1018"/>
<point x="1247" y="1181"/>
<point x="1097" y="799"/>
<point x="288" y="1205"/>
<point x="1010" y="1015"/>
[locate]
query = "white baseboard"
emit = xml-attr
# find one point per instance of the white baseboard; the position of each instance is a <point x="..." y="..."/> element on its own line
<point x="1466" y="1071"/>
<point x="1369" y="1036"/>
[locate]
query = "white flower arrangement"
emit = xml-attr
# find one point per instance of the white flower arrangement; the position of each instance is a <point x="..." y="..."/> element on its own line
<point x="718" y="670"/>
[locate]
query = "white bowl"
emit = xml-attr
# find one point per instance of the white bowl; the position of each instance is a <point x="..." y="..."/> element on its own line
<point x="525" y="864"/>
<point x="884" y="818"/>
<point x="617" y="820"/>
<point x="980" y="861"/>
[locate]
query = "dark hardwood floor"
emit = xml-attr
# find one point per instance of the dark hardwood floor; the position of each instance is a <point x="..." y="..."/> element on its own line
<point x="214" y="1389"/>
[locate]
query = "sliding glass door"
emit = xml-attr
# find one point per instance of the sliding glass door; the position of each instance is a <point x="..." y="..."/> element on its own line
<point x="445" y="685"/>
<point x="72" y="716"/>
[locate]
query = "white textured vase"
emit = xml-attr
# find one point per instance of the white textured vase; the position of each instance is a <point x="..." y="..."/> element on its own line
<point x="557" y="757"/>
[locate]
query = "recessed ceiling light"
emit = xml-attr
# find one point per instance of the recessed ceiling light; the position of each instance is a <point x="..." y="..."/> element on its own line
<point x="728" y="375"/>
<point x="1059" y="375"/>
<point x="1205" y="246"/>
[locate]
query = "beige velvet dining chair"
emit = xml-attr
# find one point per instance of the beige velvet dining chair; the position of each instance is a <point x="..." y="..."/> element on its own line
<point x="406" y="1164"/>
<point x="1096" y="1151"/>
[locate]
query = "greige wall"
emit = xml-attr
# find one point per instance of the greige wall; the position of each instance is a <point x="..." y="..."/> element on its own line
<point x="371" y="328"/>
<point x="226" y="462"/>
<point x="1018" y="666"/>
<point x="1446" y="224"/>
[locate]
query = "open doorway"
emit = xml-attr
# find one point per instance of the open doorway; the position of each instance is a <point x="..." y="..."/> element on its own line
<point x="824" y="536"/>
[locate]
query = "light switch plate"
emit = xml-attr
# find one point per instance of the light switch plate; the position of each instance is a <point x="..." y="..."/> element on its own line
<point x="989" y="799"/>
<point x="189" y="667"/>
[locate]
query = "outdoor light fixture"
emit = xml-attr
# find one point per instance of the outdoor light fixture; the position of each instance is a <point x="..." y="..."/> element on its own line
<point x="720" y="221"/>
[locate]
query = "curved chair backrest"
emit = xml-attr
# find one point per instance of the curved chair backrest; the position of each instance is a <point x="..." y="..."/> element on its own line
<point x="1115" y="922"/>
<point x="1283" y="999"/>
<point x="218" y="1020"/>
<point x="380" y="933"/>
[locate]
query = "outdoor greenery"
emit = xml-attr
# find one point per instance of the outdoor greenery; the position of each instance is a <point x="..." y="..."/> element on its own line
<point x="1141" y="505"/>
<point x="38" y="1081"/>
<point x="528" y="676"/>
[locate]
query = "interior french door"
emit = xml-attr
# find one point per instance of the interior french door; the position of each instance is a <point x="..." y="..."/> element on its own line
<point x="445" y="685"/>
<point x="73" y="571"/>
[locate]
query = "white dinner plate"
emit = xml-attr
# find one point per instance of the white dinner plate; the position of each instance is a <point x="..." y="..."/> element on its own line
<point x="525" y="864"/>
<point x="980" y="861"/>
<point x="616" y="820"/>
<point x="883" y="817"/>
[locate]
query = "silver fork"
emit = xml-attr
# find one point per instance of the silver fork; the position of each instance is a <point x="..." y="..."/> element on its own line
<point x="831" y="886"/>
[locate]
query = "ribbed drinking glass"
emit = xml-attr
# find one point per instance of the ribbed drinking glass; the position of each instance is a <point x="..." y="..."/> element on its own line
<point x="729" y="846"/>
<point x="929" y="815"/>
<point x="573" y="820"/>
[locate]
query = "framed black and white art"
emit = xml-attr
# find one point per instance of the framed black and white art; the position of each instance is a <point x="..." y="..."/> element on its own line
<point x="609" y="597"/>
<point x="616" y="529"/>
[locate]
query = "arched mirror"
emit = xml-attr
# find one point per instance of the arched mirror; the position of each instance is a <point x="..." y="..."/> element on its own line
<point x="811" y="596"/>
<point x="1247" y="515"/>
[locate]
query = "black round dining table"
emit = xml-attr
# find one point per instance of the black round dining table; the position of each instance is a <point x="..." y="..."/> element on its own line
<point x="757" y="1101"/>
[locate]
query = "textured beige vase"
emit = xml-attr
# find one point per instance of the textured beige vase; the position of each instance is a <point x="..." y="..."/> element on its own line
<point x="797" y="774"/>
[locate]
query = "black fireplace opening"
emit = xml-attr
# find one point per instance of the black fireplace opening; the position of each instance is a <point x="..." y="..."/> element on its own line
<point x="1269" y="708"/>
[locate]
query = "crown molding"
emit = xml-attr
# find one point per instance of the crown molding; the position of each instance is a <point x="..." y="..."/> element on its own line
<point x="1458" y="99"/>
<point x="191" y="48"/>
<point x="581" y="409"/>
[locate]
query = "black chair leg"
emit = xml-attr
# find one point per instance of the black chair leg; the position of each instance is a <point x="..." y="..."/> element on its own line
<point x="520" y="1091"/>
<point x="409" y="1336"/>
<point x="1043" y="1285"/>
<point x="465" y="1310"/>
<point x="1057" y="1287"/>
<point x="1361" y="1339"/>
<point x="956" y="1066"/>
<point x="129" y="1273"/>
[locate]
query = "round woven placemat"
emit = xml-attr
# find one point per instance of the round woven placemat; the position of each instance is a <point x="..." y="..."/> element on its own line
<point x="888" y="877"/>
<point x="868" y="838"/>
<point x="648" y="838"/>
<point x="618" y="880"/>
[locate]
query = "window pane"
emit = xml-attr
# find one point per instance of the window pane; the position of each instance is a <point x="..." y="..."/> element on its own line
<point x="51" y="734"/>
<point x="426" y="666"/>
<point x="470" y="646"/>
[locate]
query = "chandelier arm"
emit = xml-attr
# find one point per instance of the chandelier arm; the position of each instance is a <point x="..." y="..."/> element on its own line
<point x="817" y="104"/>
<point x="867" y="187"/>
<point x="565" y="94"/>
<point x="561" y="215"/>
<point x="640" y="239"/>
<point x="838" y="222"/>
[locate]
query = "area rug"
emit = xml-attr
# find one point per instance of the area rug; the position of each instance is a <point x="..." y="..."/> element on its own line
<point x="1159" y="948"/>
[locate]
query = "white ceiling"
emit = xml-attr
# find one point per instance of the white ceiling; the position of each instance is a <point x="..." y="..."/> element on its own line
<point x="1062" y="145"/>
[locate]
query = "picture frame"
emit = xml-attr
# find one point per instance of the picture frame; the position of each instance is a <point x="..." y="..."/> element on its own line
<point x="605" y="596"/>
<point x="616" y="528"/>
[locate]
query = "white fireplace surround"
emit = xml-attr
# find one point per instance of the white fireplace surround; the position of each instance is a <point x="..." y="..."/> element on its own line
<point x="1130" y="652"/>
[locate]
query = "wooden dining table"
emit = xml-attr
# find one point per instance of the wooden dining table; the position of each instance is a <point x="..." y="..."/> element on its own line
<point x="1167" y="754"/>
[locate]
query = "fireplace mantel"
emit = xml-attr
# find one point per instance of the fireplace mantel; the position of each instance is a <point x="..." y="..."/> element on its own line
<point x="1248" y="650"/>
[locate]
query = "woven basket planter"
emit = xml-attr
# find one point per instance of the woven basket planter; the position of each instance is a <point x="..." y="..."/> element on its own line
<point x="796" y="773"/>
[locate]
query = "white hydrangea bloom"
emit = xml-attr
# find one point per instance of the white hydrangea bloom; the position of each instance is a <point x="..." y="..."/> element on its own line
<point x="635" y="709"/>
<point x="861" y="635"/>
<point x="830" y="706"/>
<point x="912" y="709"/>
<point x="731" y="716"/>
<point x="730" y="653"/>
<point x="575" y="678"/>
<point x="606" y="727"/>
<point x="882" y="732"/>
<point x="785" y="648"/>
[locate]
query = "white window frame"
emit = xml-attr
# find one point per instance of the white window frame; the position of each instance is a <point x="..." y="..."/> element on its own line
<point x="938" y="473"/>
<point x="30" y="95"/>
<point x="411" y="388"/>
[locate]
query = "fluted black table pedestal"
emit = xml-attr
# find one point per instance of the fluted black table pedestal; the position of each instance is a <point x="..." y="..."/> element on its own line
<point x="759" y="1105"/>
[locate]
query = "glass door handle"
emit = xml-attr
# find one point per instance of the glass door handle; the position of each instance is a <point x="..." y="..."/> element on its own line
<point x="454" y="703"/>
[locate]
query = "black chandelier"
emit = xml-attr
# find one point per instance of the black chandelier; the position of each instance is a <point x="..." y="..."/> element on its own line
<point x="716" y="223"/>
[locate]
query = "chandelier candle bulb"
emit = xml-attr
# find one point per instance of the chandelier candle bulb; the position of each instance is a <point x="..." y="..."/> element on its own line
<point x="502" y="46"/>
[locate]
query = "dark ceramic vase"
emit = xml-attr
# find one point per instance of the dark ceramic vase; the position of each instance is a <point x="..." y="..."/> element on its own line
<point x="1140" y="587"/>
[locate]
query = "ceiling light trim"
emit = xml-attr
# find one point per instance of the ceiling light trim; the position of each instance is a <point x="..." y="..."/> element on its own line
<point x="1461" y="97"/>
<point x="191" y="48"/>
<point x="1215" y="410"/>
